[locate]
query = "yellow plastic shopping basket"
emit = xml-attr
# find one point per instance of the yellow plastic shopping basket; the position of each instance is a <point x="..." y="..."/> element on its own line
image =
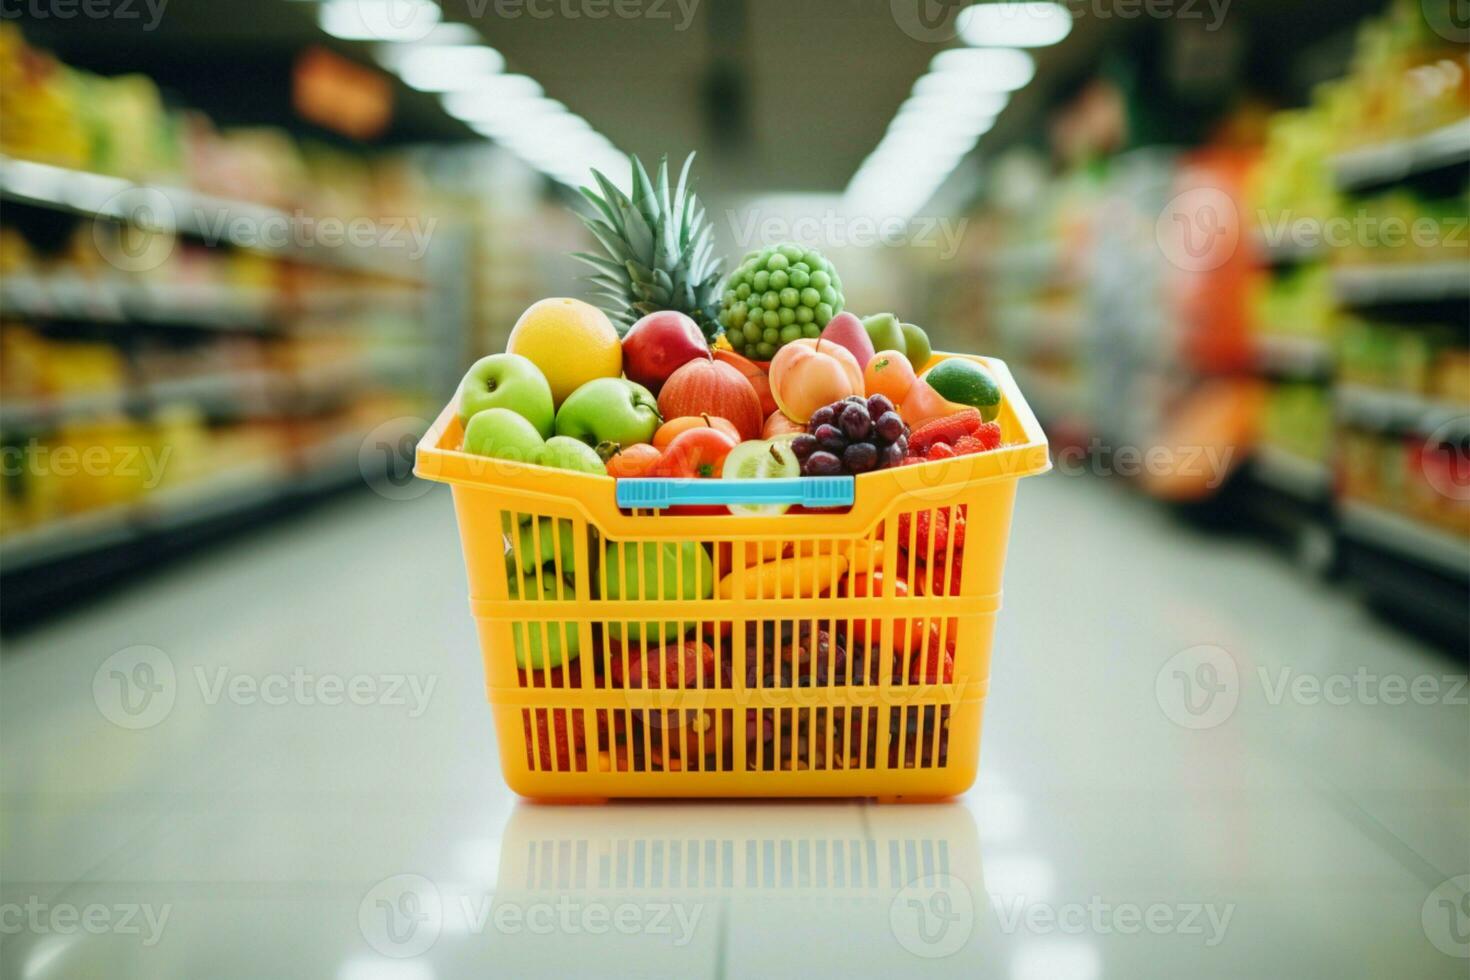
<point x="638" y="651"/>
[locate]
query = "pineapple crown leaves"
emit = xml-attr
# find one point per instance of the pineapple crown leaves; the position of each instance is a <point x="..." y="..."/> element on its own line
<point x="658" y="247"/>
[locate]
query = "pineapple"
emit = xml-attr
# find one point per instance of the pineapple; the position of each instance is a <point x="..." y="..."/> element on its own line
<point x="658" y="250"/>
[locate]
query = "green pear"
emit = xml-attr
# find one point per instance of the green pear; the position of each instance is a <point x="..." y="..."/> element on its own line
<point x="885" y="331"/>
<point x="916" y="345"/>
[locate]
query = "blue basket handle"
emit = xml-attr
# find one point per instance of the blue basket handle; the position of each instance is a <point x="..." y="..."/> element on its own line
<point x="809" y="491"/>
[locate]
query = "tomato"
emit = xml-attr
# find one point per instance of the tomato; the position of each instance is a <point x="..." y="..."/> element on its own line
<point x="634" y="461"/>
<point x="674" y="428"/>
<point x="699" y="453"/>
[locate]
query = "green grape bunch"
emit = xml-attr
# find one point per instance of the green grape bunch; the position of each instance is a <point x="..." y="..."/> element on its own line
<point x="777" y="295"/>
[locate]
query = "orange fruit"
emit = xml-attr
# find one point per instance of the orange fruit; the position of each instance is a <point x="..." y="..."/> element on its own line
<point x="888" y="373"/>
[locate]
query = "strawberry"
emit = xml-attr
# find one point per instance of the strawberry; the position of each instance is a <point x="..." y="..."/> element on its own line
<point x="935" y="664"/>
<point x="944" y="527"/>
<point x="945" y="430"/>
<point x="966" y="445"/>
<point x="941" y="450"/>
<point x="567" y="749"/>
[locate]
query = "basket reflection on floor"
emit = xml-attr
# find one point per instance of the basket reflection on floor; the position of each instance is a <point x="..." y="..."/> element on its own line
<point x="821" y="653"/>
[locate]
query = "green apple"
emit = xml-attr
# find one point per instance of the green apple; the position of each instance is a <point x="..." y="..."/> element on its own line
<point x="566" y="453"/>
<point x="916" y="345"/>
<point x="507" y="381"/>
<point x="543" y="644"/>
<point x="503" y="434"/>
<point x="609" y="410"/>
<point x="556" y="540"/>
<point x="885" y="332"/>
<point x="631" y="570"/>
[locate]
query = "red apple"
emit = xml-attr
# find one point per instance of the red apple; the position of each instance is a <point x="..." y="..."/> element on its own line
<point x="658" y="345"/>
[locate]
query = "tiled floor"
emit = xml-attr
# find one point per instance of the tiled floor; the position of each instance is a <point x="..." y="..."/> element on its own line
<point x="1127" y="822"/>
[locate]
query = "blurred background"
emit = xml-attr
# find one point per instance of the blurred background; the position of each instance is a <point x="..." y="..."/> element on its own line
<point x="1225" y="251"/>
<point x="247" y="250"/>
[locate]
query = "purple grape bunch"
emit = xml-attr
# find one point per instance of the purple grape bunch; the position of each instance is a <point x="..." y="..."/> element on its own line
<point x="855" y="435"/>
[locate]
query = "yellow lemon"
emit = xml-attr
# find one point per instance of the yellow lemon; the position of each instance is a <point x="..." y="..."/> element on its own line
<point x="572" y="342"/>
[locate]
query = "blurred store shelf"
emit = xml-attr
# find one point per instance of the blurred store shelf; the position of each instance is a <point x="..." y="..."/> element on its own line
<point x="34" y="413"/>
<point x="1419" y="282"/>
<point x="200" y="306"/>
<point x="66" y="537"/>
<point x="1294" y="356"/>
<point x="215" y="220"/>
<point x="327" y="465"/>
<point x="1407" y="537"/>
<point x="1381" y="409"/>
<point x="1393" y="161"/>
<point x="1297" y="476"/>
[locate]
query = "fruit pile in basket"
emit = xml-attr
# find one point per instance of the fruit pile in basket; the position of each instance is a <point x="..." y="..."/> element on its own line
<point x="760" y="374"/>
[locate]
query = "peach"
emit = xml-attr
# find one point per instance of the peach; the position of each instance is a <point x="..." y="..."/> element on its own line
<point x="809" y="373"/>
<point x="778" y="424"/>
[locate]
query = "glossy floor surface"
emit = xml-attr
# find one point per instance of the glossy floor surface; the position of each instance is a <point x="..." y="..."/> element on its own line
<point x="277" y="761"/>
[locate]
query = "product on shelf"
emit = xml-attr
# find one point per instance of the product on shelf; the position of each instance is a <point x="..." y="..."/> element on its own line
<point x="136" y="383"/>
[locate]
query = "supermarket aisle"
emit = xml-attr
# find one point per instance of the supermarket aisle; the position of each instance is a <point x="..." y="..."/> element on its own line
<point x="312" y="790"/>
